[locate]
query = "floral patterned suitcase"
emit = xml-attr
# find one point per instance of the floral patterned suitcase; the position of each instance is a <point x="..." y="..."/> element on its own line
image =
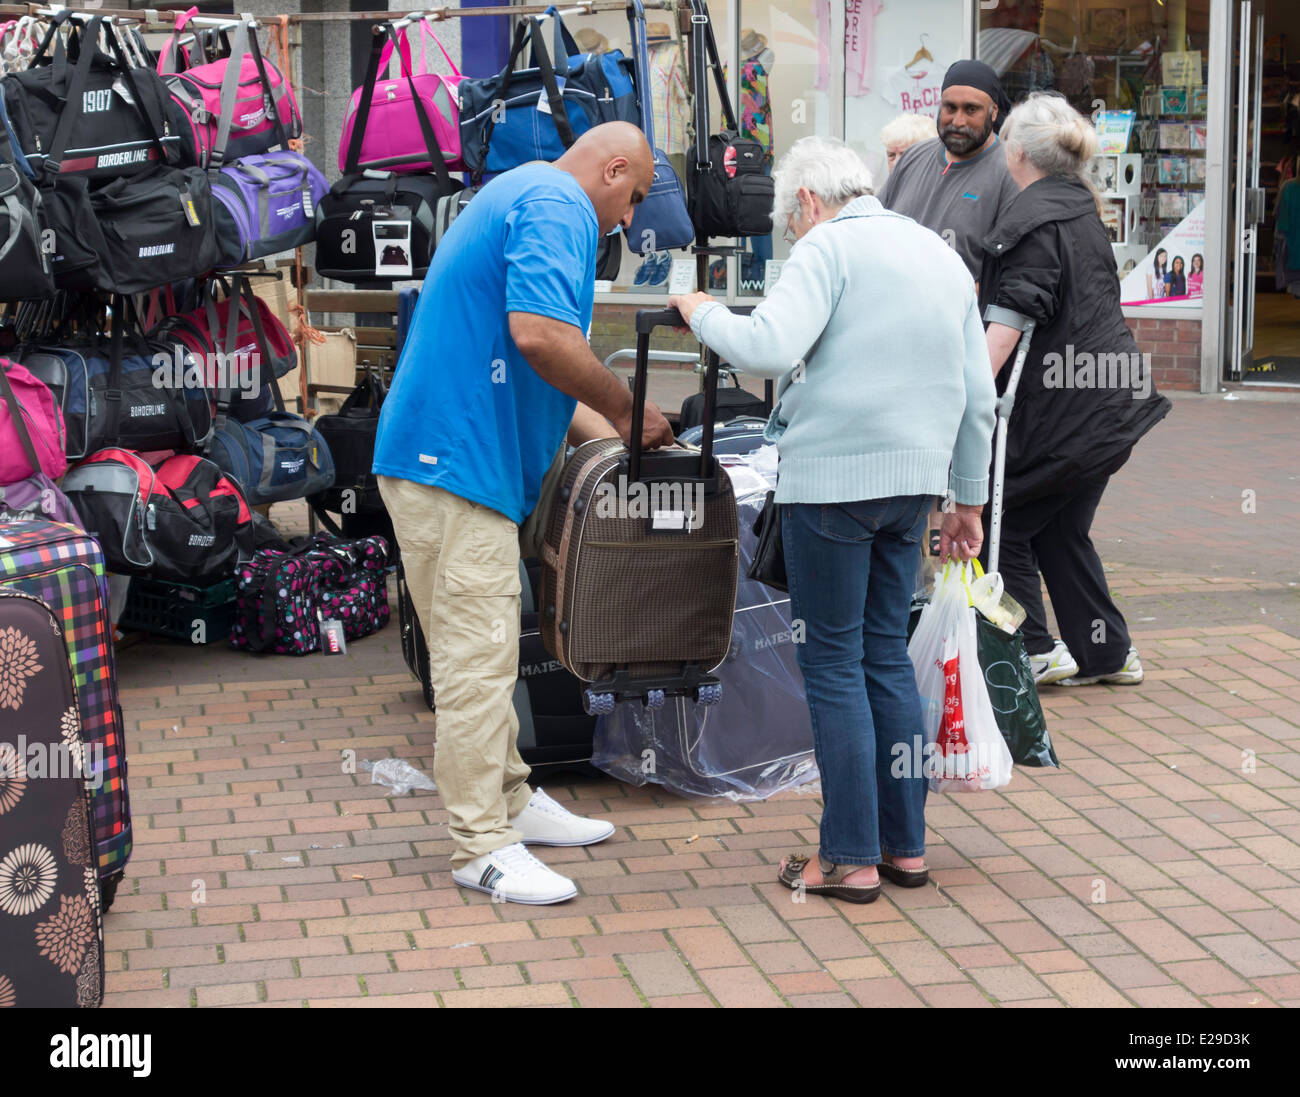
<point x="64" y="567"/>
<point x="51" y="917"/>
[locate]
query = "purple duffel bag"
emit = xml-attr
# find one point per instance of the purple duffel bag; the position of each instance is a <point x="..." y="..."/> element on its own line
<point x="265" y="204"/>
<point x="37" y="497"/>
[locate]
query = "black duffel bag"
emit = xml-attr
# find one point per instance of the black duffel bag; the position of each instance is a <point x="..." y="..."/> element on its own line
<point x="354" y="496"/>
<point x="132" y="234"/>
<point x="729" y="192"/>
<point x="151" y="224"/>
<point x="376" y="226"/>
<point x="81" y="110"/>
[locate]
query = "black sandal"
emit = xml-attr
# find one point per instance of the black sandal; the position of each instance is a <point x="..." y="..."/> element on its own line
<point x="832" y="885"/>
<point x="904" y="877"/>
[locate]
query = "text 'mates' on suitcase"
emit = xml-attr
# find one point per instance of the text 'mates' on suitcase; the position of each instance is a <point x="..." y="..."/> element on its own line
<point x="64" y="567"/>
<point x="639" y="565"/>
<point x="555" y="733"/>
<point x="52" y="941"/>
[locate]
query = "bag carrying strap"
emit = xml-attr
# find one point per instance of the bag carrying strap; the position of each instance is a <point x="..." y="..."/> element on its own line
<point x="261" y="639"/>
<point x="382" y="32"/>
<point x="704" y="56"/>
<point x="426" y="31"/>
<point x="244" y="45"/>
<point x="563" y="45"/>
<point x="16" y="417"/>
<point x="641" y="61"/>
<point x="528" y="31"/>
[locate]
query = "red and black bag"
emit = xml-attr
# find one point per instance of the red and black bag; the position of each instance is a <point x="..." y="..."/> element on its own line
<point x="180" y="519"/>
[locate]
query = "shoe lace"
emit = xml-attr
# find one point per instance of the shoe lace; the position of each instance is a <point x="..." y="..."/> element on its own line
<point x="541" y="802"/>
<point x="516" y="857"/>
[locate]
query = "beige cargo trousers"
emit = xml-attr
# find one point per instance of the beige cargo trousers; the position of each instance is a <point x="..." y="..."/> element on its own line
<point x="461" y="561"/>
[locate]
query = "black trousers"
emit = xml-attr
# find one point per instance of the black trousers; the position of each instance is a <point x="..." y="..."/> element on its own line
<point x="1052" y="536"/>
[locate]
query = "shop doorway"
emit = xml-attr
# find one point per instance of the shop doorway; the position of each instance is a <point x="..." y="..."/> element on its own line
<point x="1266" y="196"/>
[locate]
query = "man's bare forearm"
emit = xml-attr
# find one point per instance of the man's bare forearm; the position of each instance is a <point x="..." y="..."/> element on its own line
<point x="562" y="358"/>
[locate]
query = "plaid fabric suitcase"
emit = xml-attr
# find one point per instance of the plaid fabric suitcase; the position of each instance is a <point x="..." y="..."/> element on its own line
<point x="52" y="947"/>
<point x="640" y="559"/>
<point x="64" y="567"/>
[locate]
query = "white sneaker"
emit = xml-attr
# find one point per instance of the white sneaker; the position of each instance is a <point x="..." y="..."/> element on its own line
<point x="544" y="823"/>
<point x="514" y="875"/>
<point x="1053" y="666"/>
<point x="1130" y="674"/>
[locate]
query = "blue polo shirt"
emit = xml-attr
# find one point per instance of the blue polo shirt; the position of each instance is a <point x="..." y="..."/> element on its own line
<point x="466" y="412"/>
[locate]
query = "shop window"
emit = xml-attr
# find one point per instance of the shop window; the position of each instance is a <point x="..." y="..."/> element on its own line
<point x="1138" y="70"/>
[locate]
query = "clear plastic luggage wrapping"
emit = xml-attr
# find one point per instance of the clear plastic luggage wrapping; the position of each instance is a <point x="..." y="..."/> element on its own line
<point x="757" y="740"/>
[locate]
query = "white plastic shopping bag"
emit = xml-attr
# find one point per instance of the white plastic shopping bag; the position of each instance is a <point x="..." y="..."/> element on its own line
<point x="964" y="750"/>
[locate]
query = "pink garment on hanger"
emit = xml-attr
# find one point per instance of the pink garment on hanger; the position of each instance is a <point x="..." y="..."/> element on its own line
<point x="860" y="44"/>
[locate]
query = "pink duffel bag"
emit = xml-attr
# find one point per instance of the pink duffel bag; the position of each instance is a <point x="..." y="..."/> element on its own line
<point x="228" y="115"/>
<point x="39" y="431"/>
<point x="391" y="139"/>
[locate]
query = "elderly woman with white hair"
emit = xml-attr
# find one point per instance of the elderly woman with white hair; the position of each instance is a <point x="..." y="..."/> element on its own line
<point x="903" y="132"/>
<point x="885" y="401"/>
<point x="1049" y="260"/>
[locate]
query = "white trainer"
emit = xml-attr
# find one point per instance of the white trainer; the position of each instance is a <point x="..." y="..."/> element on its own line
<point x="544" y="823"/>
<point x="1053" y="666"/>
<point x="514" y="875"/>
<point x="1130" y="674"/>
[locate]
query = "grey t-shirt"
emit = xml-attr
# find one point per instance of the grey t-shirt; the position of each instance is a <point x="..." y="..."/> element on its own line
<point x="961" y="201"/>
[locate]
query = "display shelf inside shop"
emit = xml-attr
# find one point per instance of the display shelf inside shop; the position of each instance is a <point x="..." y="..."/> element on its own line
<point x="1279" y="143"/>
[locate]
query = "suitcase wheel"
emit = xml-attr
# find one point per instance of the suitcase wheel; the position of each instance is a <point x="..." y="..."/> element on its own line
<point x="654" y="698"/>
<point x="709" y="695"/>
<point x="597" y="704"/>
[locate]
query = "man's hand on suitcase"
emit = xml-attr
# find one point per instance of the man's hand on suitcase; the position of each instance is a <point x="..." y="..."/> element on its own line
<point x="962" y="534"/>
<point x="655" y="431"/>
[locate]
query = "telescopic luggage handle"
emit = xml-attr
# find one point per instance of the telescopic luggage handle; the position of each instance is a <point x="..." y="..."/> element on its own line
<point x="647" y="320"/>
<point x="996" y="315"/>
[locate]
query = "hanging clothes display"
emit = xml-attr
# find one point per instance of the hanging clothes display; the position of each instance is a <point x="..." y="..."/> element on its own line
<point x="668" y="90"/>
<point x="860" y="45"/>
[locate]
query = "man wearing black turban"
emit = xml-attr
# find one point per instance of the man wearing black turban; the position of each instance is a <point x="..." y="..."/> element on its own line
<point x="958" y="184"/>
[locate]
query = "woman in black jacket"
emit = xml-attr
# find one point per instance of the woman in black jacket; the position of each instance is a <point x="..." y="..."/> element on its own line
<point x="1085" y="396"/>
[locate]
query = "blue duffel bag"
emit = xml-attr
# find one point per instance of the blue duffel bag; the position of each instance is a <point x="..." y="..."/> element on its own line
<point x="547" y="106"/>
<point x="277" y="457"/>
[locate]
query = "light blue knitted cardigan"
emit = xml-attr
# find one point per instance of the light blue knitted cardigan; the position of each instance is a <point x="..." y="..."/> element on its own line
<point x="883" y="379"/>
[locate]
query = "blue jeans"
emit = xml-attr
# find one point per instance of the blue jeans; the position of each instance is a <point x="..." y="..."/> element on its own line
<point x="852" y="570"/>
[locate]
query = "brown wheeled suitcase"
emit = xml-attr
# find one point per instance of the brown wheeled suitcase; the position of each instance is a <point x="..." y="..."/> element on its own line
<point x="639" y="564"/>
<point x="52" y="940"/>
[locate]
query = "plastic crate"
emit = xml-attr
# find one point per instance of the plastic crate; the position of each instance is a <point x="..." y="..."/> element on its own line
<point x="177" y="610"/>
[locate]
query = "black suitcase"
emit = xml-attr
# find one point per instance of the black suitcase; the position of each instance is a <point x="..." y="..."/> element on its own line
<point x="554" y="732"/>
<point x="52" y="946"/>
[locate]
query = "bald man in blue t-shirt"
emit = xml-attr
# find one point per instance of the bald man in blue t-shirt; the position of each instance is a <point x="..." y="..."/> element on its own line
<point x="489" y="379"/>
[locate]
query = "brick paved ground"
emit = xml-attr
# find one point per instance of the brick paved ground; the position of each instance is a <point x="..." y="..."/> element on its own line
<point x="1159" y="866"/>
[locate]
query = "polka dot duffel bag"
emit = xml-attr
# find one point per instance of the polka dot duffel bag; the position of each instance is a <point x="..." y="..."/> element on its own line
<point x="282" y="598"/>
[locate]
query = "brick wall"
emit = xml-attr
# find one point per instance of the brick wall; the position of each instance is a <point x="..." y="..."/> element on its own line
<point x="1175" y="349"/>
<point x="613" y="327"/>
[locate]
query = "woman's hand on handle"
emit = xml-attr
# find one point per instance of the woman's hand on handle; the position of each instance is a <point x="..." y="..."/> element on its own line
<point x="687" y="303"/>
<point x="962" y="534"/>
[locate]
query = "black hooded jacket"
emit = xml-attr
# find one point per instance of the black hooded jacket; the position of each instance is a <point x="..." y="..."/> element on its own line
<point x="1079" y="407"/>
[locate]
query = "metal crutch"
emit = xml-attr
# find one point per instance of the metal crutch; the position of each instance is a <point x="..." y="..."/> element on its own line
<point x="995" y="315"/>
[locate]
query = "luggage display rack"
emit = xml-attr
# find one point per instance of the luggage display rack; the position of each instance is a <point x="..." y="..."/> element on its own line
<point x="371" y="308"/>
